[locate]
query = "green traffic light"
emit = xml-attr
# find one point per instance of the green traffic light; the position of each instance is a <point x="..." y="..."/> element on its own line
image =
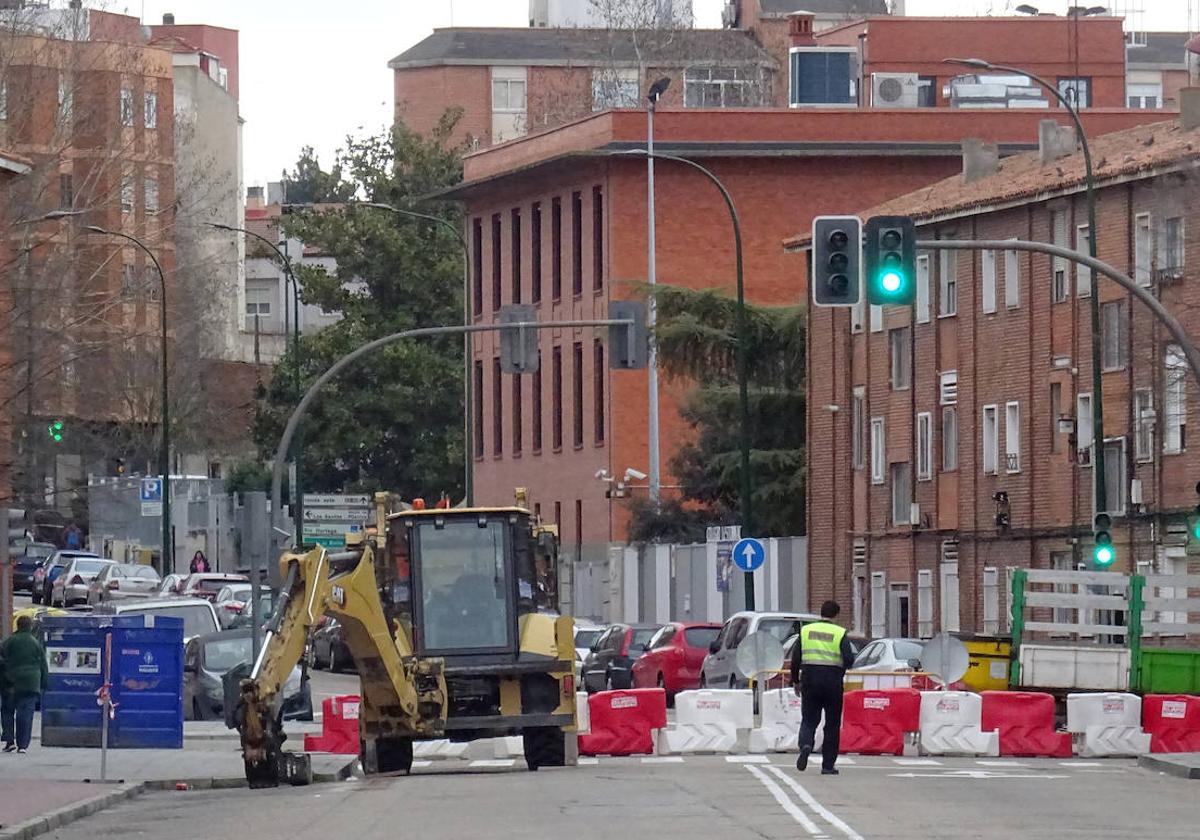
<point x="55" y="430"/>
<point x="891" y="281"/>
<point x="1104" y="555"/>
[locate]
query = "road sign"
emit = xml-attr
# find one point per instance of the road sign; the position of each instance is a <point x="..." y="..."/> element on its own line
<point x="337" y="500"/>
<point x="757" y="654"/>
<point x="946" y="658"/>
<point x="151" y="508"/>
<point x="327" y="542"/>
<point x="331" y="530"/>
<point x="749" y="554"/>
<point x="336" y="514"/>
<point x="150" y="491"/>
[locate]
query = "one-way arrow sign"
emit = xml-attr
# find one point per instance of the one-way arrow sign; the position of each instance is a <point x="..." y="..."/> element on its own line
<point x="749" y="554"/>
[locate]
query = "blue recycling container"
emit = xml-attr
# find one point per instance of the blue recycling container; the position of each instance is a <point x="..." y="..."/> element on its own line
<point x="146" y="678"/>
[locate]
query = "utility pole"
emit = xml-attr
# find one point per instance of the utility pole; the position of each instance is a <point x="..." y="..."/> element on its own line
<point x="656" y="90"/>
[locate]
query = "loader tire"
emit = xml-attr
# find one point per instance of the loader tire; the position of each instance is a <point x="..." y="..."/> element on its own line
<point x="388" y="755"/>
<point x="545" y="746"/>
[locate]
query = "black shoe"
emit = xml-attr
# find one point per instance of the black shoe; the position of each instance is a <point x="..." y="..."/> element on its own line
<point x="830" y="771"/>
<point x="10" y="747"/>
<point x="802" y="759"/>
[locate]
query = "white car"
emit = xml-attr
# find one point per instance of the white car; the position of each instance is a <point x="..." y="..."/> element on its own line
<point x="586" y="634"/>
<point x="890" y="655"/>
<point x="231" y="602"/>
<point x="720" y="666"/>
<point x="199" y="617"/>
<point x="71" y="587"/>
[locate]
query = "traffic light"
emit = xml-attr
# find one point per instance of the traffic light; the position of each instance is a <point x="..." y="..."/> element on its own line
<point x="628" y="344"/>
<point x="56" y="430"/>
<point x="1103" y="554"/>
<point x="891" y="257"/>
<point x="836" y="260"/>
<point x="1194" y="520"/>
<point x="519" y="346"/>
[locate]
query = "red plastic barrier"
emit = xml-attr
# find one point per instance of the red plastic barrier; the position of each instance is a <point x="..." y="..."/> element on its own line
<point x="1173" y="721"/>
<point x="339" y="726"/>
<point x="1025" y="720"/>
<point x="623" y="721"/>
<point x="875" y="720"/>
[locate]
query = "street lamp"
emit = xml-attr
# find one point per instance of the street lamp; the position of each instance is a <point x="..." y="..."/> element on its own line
<point x="468" y="446"/>
<point x="657" y="89"/>
<point x="1098" y="473"/>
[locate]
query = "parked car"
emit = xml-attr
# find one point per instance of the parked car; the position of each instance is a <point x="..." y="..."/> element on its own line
<point x="890" y="655"/>
<point x="586" y="633"/>
<point x="71" y="587"/>
<point x="329" y="648"/>
<point x="206" y="585"/>
<point x="121" y="581"/>
<point x="674" y="657"/>
<point x="608" y="665"/>
<point x="720" y="666"/>
<point x="170" y="585"/>
<point x="783" y="680"/>
<point x="199" y="617"/>
<point x="207" y="658"/>
<point x="44" y="577"/>
<point x="33" y="557"/>
<point x="231" y="600"/>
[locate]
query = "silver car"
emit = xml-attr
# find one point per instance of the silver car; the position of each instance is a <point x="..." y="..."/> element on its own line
<point x="199" y="617"/>
<point x="720" y="666"/>
<point x="122" y="581"/>
<point x="71" y="587"/>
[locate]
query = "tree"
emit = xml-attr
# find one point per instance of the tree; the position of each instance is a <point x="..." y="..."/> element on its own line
<point x="394" y="421"/>
<point x="697" y="343"/>
<point x="310" y="184"/>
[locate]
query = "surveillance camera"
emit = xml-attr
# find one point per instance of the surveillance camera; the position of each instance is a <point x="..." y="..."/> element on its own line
<point x="602" y="475"/>
<point x="635" y="475"/>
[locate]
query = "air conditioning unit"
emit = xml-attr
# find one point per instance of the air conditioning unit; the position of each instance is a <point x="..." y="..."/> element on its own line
<point x="895" y="90"/>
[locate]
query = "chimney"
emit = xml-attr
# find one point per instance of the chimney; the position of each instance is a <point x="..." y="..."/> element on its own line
<point x="1055" y="141"/>
<point x="254" y="198"/>
<point x="979" y="159"/>
<point x="168" y="19"/>
<point x="1189" y="108"/>
<point x="800" y="29"/>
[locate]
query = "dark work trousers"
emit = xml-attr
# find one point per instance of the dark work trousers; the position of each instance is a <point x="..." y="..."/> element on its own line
<point x="821" y="690"/>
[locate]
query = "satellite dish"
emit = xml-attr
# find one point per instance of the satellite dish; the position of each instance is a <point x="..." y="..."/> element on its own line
<point x="758" y="653"/>
<point x="946" y="658"/>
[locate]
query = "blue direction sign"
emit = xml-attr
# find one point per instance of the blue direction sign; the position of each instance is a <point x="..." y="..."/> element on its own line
<point x="749" y="554"/>
<point x="151" y="490"/>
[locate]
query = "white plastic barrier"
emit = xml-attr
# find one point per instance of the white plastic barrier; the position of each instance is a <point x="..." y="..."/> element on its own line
<point x="951" y="725"/>
<point x="780" y="729"/>
<point x="487" y="749"/>
<point x="1107" y="724"/>
<point x="583" y="715"/>
<point x="439" y="750"/>
<point x="708" y="721"/>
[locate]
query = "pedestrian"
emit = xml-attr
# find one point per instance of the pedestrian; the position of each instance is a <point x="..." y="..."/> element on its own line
<point x="72" y="537"/>
<point x="6" y="709"/>
<point x="199" y="563"/>
<point x="27" y="677"/>
<point x="819" y="662"/>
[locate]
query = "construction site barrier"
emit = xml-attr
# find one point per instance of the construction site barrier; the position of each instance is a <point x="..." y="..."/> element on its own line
<point x="583" y="721"/>
<point x="1107" y="724"/>
<point x="623" y="722"/>
<point x="952" y="724"/>
<point x="339" y="726"/>
<point x="1025" y="721"/>
<point x="780" y="727"/>
<point x="1173" y="721"/>
<point x="708" y="721"/>
<point x="876" y="721"/>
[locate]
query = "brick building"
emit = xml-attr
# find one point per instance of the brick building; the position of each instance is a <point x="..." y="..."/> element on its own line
<point x="553" y="222"/>
<point x="956" y="436"/>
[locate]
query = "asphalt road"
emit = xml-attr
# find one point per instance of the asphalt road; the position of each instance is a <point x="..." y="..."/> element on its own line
<point x="697" y="797"/>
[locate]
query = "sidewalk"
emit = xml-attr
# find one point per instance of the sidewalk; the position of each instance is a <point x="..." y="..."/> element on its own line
<point x="1182" y="765"/>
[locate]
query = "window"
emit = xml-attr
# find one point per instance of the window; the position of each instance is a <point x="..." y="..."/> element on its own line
<point x="926" y="91"/>
<point x="597" y="239"/>
<point x="477" y="264"/>
<point x="537" y="406"/>
<point x="577" y="244"/>
<point x="949" y="438"/>
<point x="598" y="389"/>
<point x="948" y="283"/>
<point x="901" y="353"/>
<point x="1083" y="427"/>
<point x="1143" y="423"/>
<point x="1083" y="273"/>
<point x="722" y="87"/>
<point x="924" y="446"/>
<point x="150" y="188"/>
<point x="497" y="409"/>
<point x="1174" y="401"/>
<point x="1116" y="486"/>
<point x="822" y="77"/>
<point x="990" y="439"/>
<point x="877" y="450"/>
<point x="925" y="603"/>
<point x="1144" y="95"/>
<point x="508" y="90"/>
<point x="1143" y="249"/>
<point x="126" y="105"/>
<point x="949" y="586"/>
<point x="1113" y="336"/>
<point x="127" y="193"/>
<point x="579" y="532"/>
<point x="556" y="249"/>
<point x="1055" y="413"/>
<point x="923" y="289"/>
<point x="556" y="427"/>
<point x="66" y="99"/>
<point x="1012" y="279"/>
<point x="478" y="443"/>
<point x="514" y="230"/>
<point x="901" y="493"/>
<point x="577" y="392"/>
<point x="857" y="409"/>
<point x="989" y="282"/>
<point x="614" y="88"/>
<point x="1012" y="437"/>
<point x="518" y="416"/>
<point x="1172" y="256"/>
<point x="66" y="191"/>
<point x="857" y="314"/>
<point x="991" y="601"/>
<point x="150" y="110"/>
<point x="129" y="287"/>
<point x="876" y="318"/>
<point x="948" y="387"/>
<point x="878" y="604"/>
<point x="535" y="255"/>
<point x="258" y="300"/>
<point x="1077" y="90"/>
<point x="496" y="273"/>
<point x="1058" y="265"/>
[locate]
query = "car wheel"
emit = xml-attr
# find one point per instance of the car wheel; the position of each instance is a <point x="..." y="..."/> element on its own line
<point x="333" y="660"/>
<point x="197" y="712"/>
<point x="545" y="746"/>
<point x="608" y="683"/>
<point x="311" y="657"/>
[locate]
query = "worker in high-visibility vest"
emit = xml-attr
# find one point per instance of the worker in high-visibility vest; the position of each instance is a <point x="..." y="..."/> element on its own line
<point x="819" y="662"/>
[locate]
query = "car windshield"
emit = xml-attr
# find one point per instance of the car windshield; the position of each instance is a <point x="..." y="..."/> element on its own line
<point x="463" y="583"/>
<point x="587" y="637"/>
<point x="143" y="573"/>
<point x="211" y="585"/>
<point x="642" y="637"/>
<point x="197" y="618"/>
<point x="91" y="567"/>
<point x="700" y="637"/>
<point x="780" y="628"/>
<point x="906" y="650"/>
<point x="40" y="552"/>
<point x="220" y="655"/>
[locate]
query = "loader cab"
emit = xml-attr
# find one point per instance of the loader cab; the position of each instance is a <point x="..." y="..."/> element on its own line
<point x="461" y="579"/>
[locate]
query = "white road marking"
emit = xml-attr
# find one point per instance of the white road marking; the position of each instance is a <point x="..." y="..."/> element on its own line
<point x="493" y="762"/>
<point x="663" y="759"/>
<point x="809" y="800"/>
<point x="585" y="762"/>
<point x="917" y="762"/>
<point x="1080" y="764"/>
<point x="786" y="803"/>
<point x="747" y="759"/>
<point x="845" y="760"/>
<point x="975" y="774"/>
<point x="422" y="763"/>
<point x="1000" y="764"/>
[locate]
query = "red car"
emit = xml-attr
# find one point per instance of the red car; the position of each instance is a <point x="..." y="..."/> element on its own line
<point x="673" y="657"/>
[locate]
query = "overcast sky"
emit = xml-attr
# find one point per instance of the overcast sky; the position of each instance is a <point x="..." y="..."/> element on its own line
<point x="313" y="71"/>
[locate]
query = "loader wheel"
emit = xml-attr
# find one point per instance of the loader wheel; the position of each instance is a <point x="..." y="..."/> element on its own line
<point x="545" y="746"/>
<point x="387" y="755"/>
<point x="262" y="774"/>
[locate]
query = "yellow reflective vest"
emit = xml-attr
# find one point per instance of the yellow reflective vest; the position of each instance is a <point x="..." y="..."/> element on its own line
<point x="821" y="644"/>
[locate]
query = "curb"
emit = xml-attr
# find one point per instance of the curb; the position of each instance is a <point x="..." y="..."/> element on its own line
<point x="70" y="813"/>
<point x="214" y="783"/>
<point x="1158" y="764"/>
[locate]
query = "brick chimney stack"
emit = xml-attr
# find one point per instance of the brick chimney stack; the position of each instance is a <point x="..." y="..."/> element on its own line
<point x="800" y="29"/>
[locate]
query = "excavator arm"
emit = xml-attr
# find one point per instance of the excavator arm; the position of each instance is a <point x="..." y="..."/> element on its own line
<point x="402" y="696"/>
